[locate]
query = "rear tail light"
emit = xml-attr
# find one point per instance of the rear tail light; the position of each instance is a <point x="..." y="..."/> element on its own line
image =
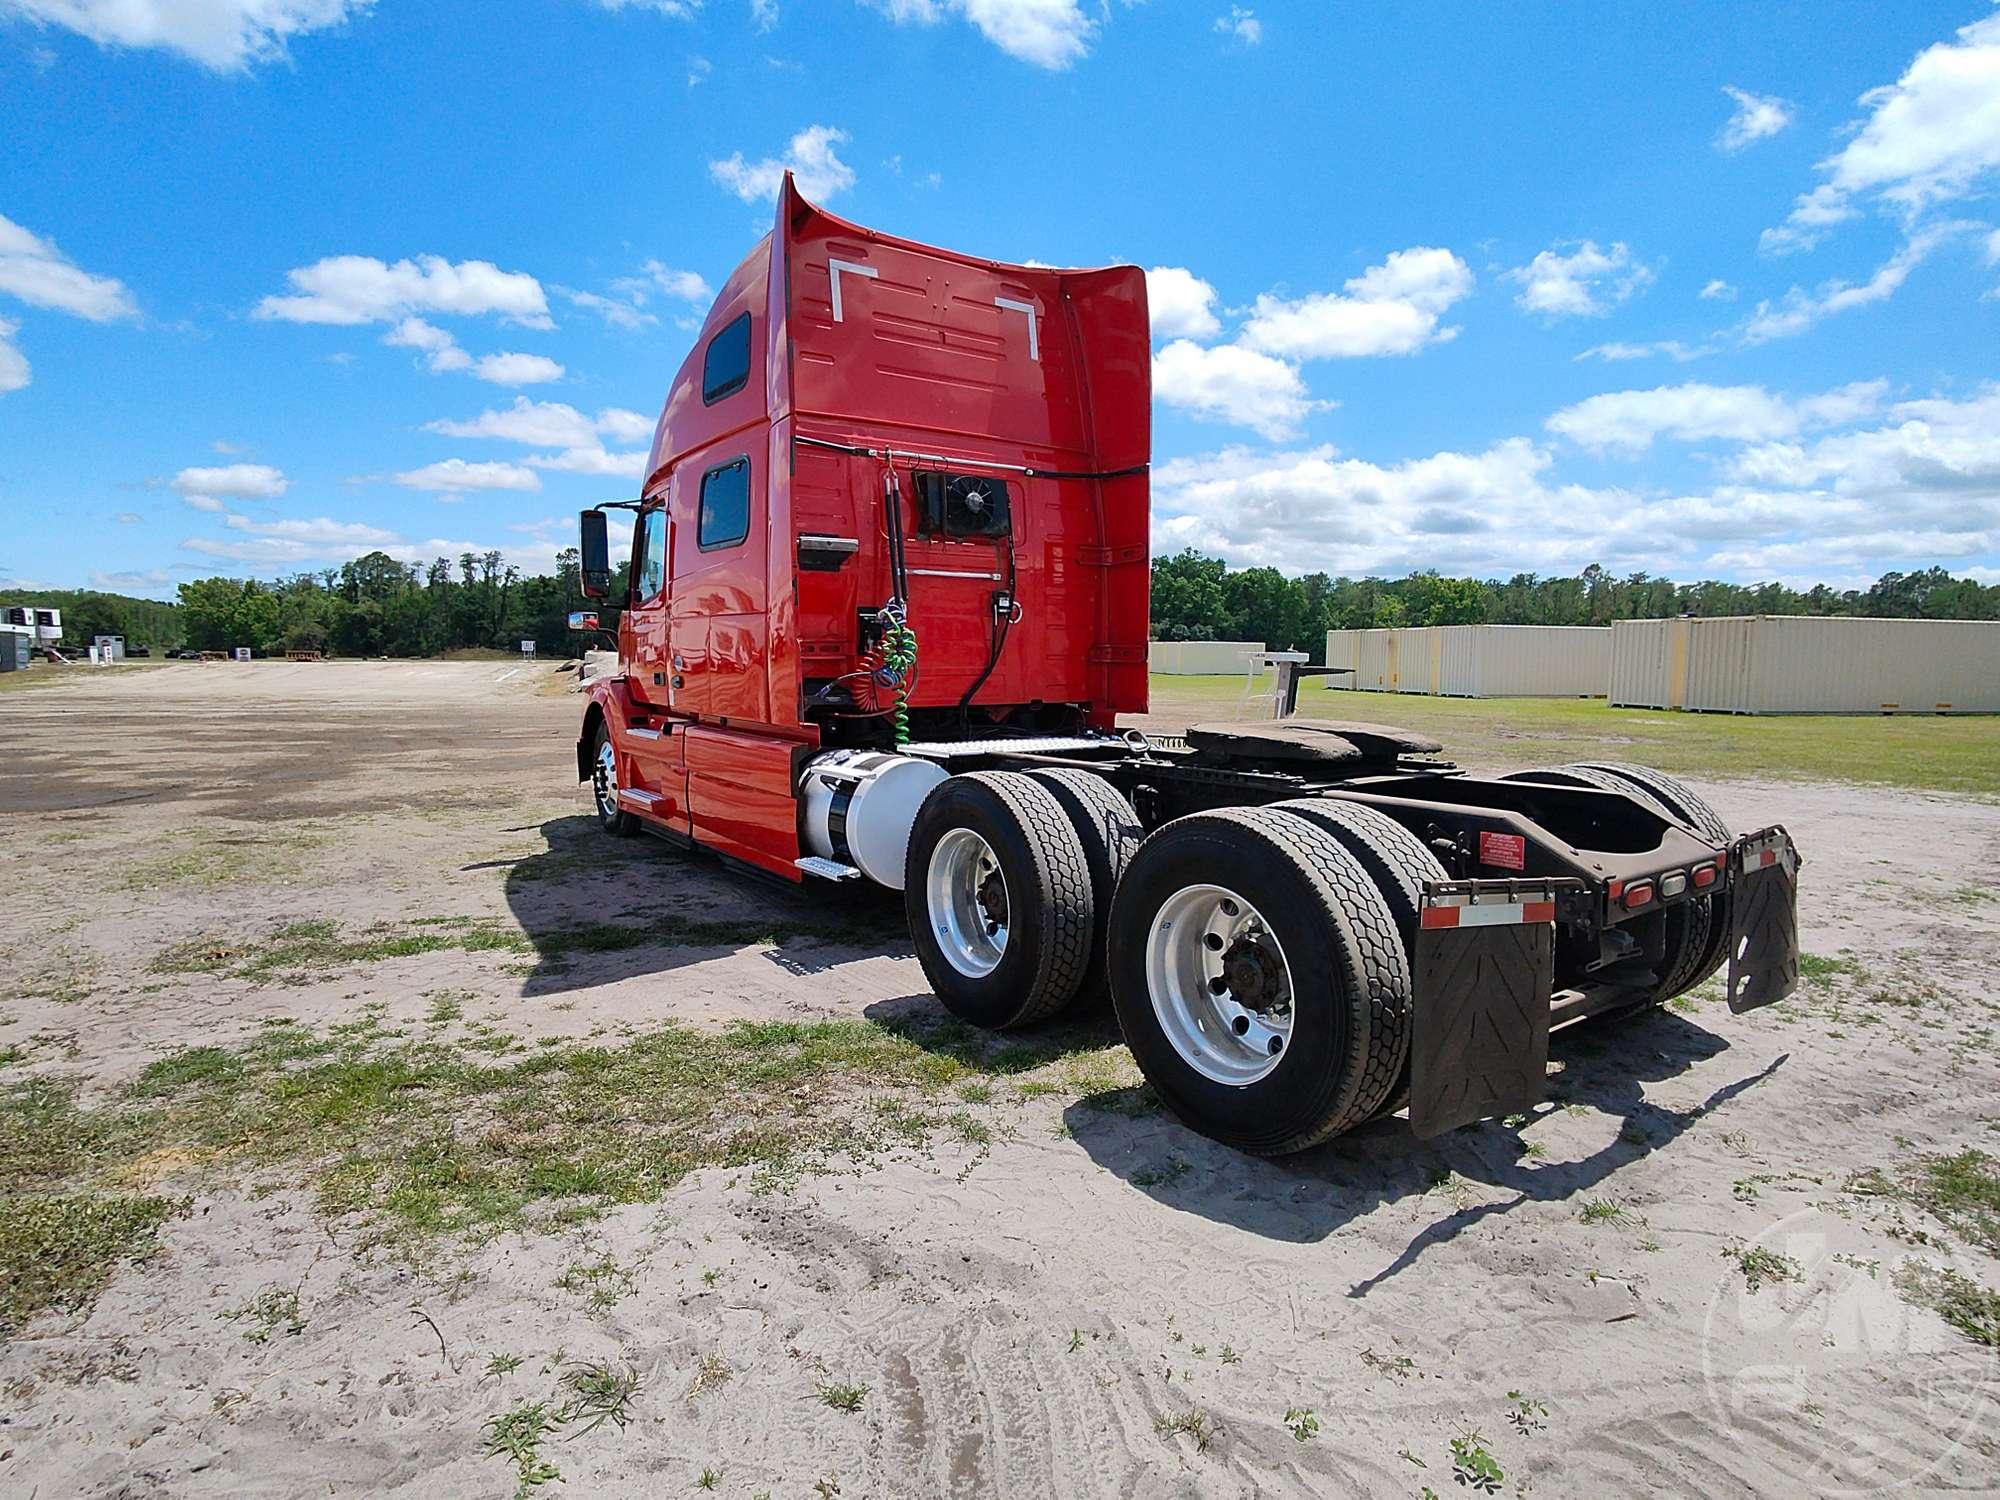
<point x="1638" y="894"/>
<point x="1672" y="885"/>
<point x="1704" y="876"/>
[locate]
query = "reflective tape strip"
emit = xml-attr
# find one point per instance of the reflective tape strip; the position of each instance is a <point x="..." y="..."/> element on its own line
<point x="1492" y="914"/>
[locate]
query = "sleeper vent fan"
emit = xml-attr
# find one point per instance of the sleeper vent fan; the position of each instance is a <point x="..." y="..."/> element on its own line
<point x="964" y="504"/>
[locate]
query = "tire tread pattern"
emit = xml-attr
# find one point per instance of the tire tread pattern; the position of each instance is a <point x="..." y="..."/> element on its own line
<point x="1110" y="833"/>
<point x="1066" y="916"/>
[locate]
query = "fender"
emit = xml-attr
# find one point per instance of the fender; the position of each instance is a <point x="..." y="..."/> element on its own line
<point x="610" y="700"/>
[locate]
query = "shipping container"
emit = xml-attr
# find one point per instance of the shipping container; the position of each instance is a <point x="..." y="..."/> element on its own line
<point x="1201" y="658"/>
<point x="1807" y="664"/>
<point x="1477" y="661"/>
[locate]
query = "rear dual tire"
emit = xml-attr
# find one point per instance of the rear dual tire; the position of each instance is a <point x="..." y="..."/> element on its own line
<point x="1259" y="979"/>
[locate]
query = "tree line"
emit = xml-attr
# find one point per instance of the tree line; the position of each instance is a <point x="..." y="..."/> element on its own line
<point x="1197" y="598"/>
<point x="378" y="606"/>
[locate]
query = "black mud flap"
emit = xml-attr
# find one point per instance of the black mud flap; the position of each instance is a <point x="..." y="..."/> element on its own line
<point x="1485" y="964"/>
<point x="1764" y="906"/>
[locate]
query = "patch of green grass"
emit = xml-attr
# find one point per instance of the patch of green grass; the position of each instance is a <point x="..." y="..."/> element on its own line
<point x="60" y="1252"/>
<point x="272" y="1311"/>
<point x="1820" y="966"/>
<point x="1302" y="1422"/>
<point x="1760" y="1265"/>
<point x="209" y="856"/>
<point x="503" y="1364"/>
<point x="1944" y="753"/>
<point x="598" y="1393"/>
<point x="1963" y="1190"/>
<point x="841" y="1395"/>
<point x="189" y="1067"/>
<point x="1962" y="1302"/>
<point x="1602" y="1211"/>
<point x="1194" y="1422"/>
<point x="516" y="1435"/>
<point x="602" y="1283"/>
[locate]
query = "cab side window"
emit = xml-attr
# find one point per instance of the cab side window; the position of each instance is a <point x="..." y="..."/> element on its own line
<point x="650" y="576"/>
<point x="725" y="505"/>
<point x="725" y="368"/>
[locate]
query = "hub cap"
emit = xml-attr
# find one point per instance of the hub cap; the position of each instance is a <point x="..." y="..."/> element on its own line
<point x="1220" y="984"/>
<point x="966" y="897"/>
<point x="604" y="780"/>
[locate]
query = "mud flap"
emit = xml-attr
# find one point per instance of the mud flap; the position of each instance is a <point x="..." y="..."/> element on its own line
<point x="1485" y="964"/>
<point x="1764" y="905"/>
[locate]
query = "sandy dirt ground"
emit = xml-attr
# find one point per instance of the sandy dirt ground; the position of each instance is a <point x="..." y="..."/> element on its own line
<point x="1074" y="1299"/>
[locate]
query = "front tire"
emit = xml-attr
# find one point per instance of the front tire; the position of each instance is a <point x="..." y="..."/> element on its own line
<point x="1259" y="979"/>
<point x="998" y="896"/>
<point x="612" y="818"/>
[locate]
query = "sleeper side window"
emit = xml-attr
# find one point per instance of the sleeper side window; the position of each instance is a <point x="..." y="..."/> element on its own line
<point x="651" y="575"/>
<point x="725" y="369"/>
<point x="725" y="505"/>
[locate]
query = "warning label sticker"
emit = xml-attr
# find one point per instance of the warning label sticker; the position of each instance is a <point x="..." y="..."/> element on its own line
<point x="1504" y="851"/>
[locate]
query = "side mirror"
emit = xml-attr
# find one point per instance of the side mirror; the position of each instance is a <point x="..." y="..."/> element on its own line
<point x="583" y="619"/>
<point x="595" y="556"/>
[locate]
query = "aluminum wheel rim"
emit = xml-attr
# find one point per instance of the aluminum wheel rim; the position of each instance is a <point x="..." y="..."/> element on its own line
<point x="605" y="780"/>
<point x="969" y="934"/>
<point x="1205" y="943"/>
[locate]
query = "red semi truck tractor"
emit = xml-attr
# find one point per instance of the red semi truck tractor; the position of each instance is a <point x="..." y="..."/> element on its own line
<point x="888" y="599"/>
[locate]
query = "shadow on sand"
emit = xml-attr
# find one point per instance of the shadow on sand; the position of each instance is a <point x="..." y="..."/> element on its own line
<point x="596" y="910"/>
<point x="1305" y="1198"/>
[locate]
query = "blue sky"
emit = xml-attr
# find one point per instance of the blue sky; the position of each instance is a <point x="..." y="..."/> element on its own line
<point x="1703" y="291"/>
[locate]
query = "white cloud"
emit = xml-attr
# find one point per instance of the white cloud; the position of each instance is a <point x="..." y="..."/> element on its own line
<point x="322" y="530"/>
<point x="351" y="289"/>
<point x="1993" y="248"/>
<point x="1757" y="116"/>
<point x="626" y="307"/>
<point x="764" y="14"/>
<point x="231" y="481"/>
<point x="698" y="70"/>
<point x="35" y="271"/>
<point x="1630" y="420"/>
<point x="14" y="372"/>
<point x="1672" y="349"/>
<point x="1232" y="384"/>
<point x="128" y="518"/>
<point x="1798" y="310"/>
<point x="1048" y="33"/>
<point x="516" y="369"/>
<point x="454" y="475"/>
<point x="616" y="312"/>
<point x="623" y="426"/>
<point x="1718" y="290"/>
<point x="598" y="461"/>
<point x="1181" y="304"/>
<point x="1585" y="283"/>
<point x="1241" y="24"/>
<point x="810" y="158"/>
<point x="1928" y="138"/>
<point x="439" y="348"/>
<point x="1392" y="308"/>
<point x="202" y="502"/>
<point x="1924" y="487"/>
<point x="549" y="424"/>
<point x="227" y="36"/>
<point x="680" y="10"/>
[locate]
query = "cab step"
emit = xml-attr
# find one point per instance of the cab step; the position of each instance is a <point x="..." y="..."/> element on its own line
<point x="827" y="869"/>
